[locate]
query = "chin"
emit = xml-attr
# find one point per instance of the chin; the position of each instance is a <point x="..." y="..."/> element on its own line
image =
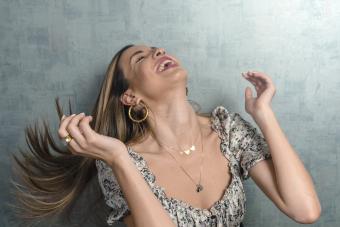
<point x="178" y="72"/>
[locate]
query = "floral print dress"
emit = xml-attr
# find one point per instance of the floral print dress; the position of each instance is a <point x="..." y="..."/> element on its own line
<point x="241" y="144"/>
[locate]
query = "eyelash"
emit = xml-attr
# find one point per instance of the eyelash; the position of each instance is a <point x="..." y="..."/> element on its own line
<point x="139" y="58"/>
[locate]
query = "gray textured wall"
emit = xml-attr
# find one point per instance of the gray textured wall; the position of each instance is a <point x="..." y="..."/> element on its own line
<point x="51" y="48"/>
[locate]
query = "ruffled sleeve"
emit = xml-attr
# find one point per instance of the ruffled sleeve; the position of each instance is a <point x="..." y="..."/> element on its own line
<point x="247" y="143"/>
<point x="113" y="195"/>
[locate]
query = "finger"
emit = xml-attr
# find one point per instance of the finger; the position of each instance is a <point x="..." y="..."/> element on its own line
<point x="74" y="147"/>
<point x="65" y="116"/>
<point x="248" y="93"/>
<point x="258" y="81"/>
<point x="255" y="76"/>
<point x="252" y="80"/>
<point x="62" y="119"/>
<point x="74" y="130"/>
<point x="264" y="78"/>
<point x="63" y="124"/>
<point x="248" y="75"/>
<point x="85" y="127"/>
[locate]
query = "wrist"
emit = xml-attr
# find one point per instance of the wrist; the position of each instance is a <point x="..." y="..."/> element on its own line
<point x="120" y="160"/>
<point x="262" y="115"/>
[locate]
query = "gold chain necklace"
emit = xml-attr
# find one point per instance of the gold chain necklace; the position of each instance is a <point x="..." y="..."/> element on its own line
<point x="199" y="186"/>
<point x="187" y="152"/>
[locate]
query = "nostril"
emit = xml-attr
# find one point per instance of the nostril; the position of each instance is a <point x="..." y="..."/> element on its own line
<point x="158" y="52"/>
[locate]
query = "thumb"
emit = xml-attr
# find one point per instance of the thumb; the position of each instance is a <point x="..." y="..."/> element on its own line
<point x="248" y="93"/>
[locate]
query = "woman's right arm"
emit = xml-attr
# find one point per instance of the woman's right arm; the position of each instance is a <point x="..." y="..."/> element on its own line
<point x="145" y="208"/>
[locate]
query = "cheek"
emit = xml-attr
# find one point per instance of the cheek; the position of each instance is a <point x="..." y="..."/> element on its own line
<point x="144" y="71"/>
<point x="147" y="79"/>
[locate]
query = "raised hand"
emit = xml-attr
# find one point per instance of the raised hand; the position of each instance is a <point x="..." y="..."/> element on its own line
<point x="88" y="143"/>
<point x="265" y="90"/>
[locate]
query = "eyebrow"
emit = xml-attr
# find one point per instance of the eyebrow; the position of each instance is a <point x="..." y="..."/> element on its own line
<point x="138" y="52"/>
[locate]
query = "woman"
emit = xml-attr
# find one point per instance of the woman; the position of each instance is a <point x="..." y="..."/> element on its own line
<point x="160" y="163"/>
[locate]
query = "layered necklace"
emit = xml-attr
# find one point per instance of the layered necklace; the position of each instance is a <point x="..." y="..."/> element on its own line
<point x="199" y="186"/>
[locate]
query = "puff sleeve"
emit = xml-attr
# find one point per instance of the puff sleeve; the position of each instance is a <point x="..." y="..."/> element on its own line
<point x="113" y="195"/>
<point x="247" y="143"/>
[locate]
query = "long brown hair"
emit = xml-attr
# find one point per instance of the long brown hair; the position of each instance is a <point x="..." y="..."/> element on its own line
<point x="48" y="179"/>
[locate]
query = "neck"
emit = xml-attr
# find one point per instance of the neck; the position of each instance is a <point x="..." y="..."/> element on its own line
<point x="175" y="124"/>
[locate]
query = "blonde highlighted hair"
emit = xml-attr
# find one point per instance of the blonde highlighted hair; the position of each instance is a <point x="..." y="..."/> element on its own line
<point x="48" y="179"/>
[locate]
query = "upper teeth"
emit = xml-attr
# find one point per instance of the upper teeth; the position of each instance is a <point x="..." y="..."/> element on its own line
<point x="161" y="67"/>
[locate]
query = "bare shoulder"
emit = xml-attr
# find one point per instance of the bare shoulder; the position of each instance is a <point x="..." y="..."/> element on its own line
<point x="128" y="221"/>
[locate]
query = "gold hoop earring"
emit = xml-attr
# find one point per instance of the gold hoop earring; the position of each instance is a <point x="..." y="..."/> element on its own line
<point x="138" y="121"/>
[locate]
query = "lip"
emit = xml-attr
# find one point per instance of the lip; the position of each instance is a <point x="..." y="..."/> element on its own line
<point x="166" y="57"/>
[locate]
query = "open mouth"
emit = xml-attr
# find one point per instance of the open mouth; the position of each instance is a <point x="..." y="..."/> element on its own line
<point x="165" y="64"/>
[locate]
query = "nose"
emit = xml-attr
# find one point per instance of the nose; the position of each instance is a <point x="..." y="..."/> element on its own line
<point x="159" y="51"/>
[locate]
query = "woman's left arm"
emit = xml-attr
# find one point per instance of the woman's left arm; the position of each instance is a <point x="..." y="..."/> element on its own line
<point x="283" y="178"/>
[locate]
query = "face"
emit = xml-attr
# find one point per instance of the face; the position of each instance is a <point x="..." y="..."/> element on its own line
<point x="152" y="73"/>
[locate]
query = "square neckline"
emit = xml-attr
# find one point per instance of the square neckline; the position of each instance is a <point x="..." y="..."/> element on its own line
<point x="227" y="189"/>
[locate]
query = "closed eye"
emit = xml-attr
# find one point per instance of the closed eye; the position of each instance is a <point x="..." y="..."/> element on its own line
<point x="139" y="58"/>
<point x="152" y="48"/>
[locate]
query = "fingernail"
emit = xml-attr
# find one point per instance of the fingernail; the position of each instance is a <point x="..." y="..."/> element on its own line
<point x="82" y="113"/>
<point x="63" y="117"/>
<point x="73" y="114"/>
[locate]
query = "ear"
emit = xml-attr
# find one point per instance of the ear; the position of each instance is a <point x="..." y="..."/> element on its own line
<point x="127" y="98"/>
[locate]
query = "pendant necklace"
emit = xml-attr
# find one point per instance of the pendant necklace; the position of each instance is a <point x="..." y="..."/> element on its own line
<point x="199" y="186"/>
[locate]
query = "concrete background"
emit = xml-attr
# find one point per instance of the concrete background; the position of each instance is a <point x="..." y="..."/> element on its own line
<point x="51" y="48"/>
